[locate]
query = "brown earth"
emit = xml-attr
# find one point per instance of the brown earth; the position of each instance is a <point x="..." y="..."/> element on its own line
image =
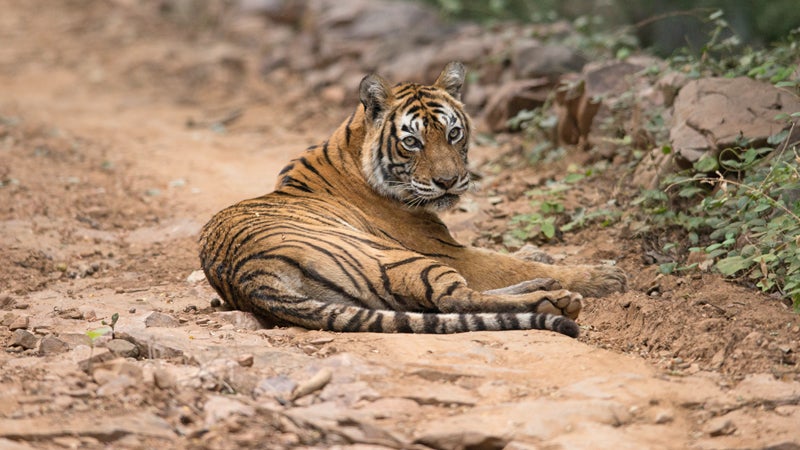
<point x="123" y="128"/>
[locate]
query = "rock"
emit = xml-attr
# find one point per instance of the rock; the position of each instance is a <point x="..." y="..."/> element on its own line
<point x="107" y="430"/>
<point x="609" y="78"/>
<point x="717" y="360"/>
<point x="277" y="387"/>
<point x="20" y="322"/>
<point x="663" y="416"/>
<point x="669" y="85"/>
<point x="513" y="97"/>
<point x="719" y="426"/>
<point x="712" y="114"/>
<point x="75" y="339"/>
<point x="24" y="339"/>
<point x="530" y="59"/>
<point x="349" y="393"/>
<point x="51" y="345"/>
<point x="245" y="360"/>
<point x="87" y="358"/>
<point x="123" y="348"/>
<point x="7" y="444"/>
<point x="393" y="408"/>
<point x="219" y="408"/>
<point x="787" y="410"/>
<point x="156" y="342"/>
<point x="7" y="302"/>
<point x="467" y="49"/>
<point x="112" y="383"/>
<point x="239" y="319"/>
<point x="463" y="439"/>
<point x="157" y="319"/>
<point x="196" y="276"/>
<point x="8" y="318"/>
<point x="164" y="379"/>
<point x="764" y="388"/>
<point x="436" y="394"/>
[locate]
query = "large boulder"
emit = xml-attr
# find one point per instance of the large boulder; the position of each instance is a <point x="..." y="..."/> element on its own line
<point x="513" y="97"/>
<point x="531" y="58"/>
<point x="712" y="114"/>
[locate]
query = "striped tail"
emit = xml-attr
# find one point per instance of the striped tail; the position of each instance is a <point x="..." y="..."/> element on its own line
<point x="313" y="314"/>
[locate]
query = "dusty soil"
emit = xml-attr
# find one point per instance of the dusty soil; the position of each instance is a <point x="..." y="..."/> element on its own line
<point x="123" y="129"/>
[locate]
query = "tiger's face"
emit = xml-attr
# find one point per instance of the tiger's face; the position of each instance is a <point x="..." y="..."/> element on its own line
<point x="417" y="140"/>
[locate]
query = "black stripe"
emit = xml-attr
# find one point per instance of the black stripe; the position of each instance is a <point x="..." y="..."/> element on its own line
<point x="430" y="322"/>
<point x="377" y="324"/>
<point x="325" y="153"/>
<point x="402" y="322"/>
<point x="465" y="325"/>
<point x="354" y="324"/>
<point x="286" y="168"/>
<point x="313" y="170"/>
<point x="402" y="262"/>
<point x="347" y="131"/>
<point x="424" y="277"/>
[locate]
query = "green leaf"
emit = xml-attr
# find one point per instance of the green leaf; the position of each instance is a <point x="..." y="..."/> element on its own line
<point x="548" y="229"/>
<point x="732" y="264"/>
<point x="667" y="268"/>
<point x="573" y="178"/>
<point x="96" y="333"/>
<point x="706" y="164"/>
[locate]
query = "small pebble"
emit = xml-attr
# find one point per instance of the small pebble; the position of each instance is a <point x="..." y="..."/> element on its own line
<point x="720" y="426"/>
<point x="663" y="416"/>
<point x="245" y="360"/>
<point x="19" y="323"/>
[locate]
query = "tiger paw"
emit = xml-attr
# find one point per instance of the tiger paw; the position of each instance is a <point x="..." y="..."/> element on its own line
<point x="561" y="302"/>
<point x="597" y="281"/>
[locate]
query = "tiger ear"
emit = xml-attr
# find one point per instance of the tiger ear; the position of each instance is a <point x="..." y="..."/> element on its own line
<point x="452" y="79"/>
<point x="375" y="95"/>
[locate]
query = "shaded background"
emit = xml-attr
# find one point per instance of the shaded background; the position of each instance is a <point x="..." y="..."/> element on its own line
<point x="661" y="25"/>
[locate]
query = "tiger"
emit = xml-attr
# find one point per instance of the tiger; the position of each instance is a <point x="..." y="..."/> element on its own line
<point x="350" y="239"/>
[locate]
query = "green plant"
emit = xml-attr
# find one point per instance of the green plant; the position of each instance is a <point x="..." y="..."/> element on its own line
<point x="725" y="55"/>
<point x="744" y="219"/>
<point x="104" y="330"/>
<point x="549" y="216"/>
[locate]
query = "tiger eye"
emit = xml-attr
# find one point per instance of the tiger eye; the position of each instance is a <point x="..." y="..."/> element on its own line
<point x="410" y="142"/>
<point x="454" y="134"/>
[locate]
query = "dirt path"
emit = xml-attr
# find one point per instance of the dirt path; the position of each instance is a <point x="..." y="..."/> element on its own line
<point x="120" y="136"/>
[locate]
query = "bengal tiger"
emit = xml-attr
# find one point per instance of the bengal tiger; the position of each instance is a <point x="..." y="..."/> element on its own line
<point x="350" y="240"/>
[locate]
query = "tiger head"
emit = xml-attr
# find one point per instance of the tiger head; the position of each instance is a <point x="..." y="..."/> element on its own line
<point x="417" y="139"/>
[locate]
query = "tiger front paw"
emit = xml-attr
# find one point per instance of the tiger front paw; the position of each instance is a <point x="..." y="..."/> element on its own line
<point x="598" y="281"/>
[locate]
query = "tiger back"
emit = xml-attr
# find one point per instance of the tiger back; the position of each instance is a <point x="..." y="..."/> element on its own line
<point x="349" y="240"/>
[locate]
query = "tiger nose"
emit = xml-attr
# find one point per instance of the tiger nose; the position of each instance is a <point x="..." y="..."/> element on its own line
<point x="445" y="183"/>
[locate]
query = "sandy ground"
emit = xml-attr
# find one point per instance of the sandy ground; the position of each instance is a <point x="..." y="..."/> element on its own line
<point x="122" y="132"/>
